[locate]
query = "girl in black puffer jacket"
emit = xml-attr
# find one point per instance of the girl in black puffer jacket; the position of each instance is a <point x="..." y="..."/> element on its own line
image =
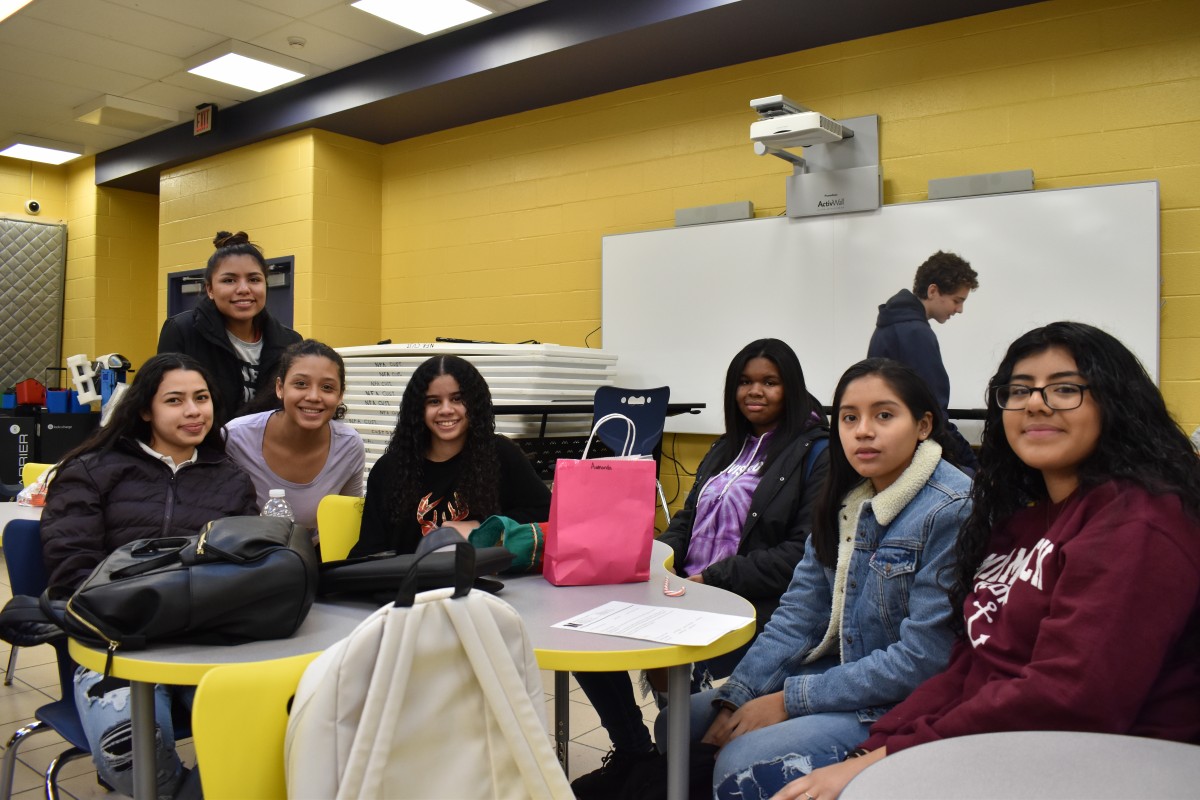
<point x="157" y="469"/>
<point x="230" y="331"/>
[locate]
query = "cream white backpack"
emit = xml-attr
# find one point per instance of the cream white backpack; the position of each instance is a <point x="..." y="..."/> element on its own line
<point x="437" y="696"/>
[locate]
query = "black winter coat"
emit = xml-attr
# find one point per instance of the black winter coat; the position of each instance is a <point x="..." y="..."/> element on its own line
<point x="105" y="499"/>
<point x="776" y="527"/>
<point x="200" y="333"/>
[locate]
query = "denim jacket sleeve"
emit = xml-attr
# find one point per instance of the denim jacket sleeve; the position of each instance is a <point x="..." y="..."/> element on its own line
<point x="795" y="628"/>
<point x="888" y="675"/>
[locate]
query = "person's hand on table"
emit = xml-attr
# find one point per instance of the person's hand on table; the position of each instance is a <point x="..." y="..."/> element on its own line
<point x="827" y="783"/>
<point x="698" y="578"/>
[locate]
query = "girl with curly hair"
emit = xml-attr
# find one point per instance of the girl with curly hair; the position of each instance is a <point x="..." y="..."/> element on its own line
<point x="1078" y="570"/>
<point x="446" y="465"/>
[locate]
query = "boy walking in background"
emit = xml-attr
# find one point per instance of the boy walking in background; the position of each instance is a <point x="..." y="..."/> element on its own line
<point x="903" y="332"/>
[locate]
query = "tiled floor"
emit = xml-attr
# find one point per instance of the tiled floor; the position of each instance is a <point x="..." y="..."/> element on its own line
<point x="36" y="683"/>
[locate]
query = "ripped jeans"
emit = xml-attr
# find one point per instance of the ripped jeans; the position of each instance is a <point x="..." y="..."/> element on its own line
<point x="757" y="764"/>
<point x="103" y="705"/>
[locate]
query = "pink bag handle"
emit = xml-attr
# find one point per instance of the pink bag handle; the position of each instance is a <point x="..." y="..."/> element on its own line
<point x="630" y="434"/>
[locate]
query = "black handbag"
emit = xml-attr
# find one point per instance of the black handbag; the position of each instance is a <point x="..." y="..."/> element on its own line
<point x="240" y="579"/>
<point x="379" y="576"/>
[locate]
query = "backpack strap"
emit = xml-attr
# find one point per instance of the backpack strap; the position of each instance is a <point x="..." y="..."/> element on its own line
<point x="464" y="565"/>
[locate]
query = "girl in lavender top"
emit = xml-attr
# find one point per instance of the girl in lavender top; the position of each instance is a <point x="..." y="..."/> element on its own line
<point x="742" y="527"/>
<point x="297" y="444"/>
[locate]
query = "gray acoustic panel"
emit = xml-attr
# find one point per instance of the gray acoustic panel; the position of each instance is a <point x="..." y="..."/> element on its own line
<point x="723" y="212"/>
<point x="33" y="265"/>
<point x="1018" y="180"/>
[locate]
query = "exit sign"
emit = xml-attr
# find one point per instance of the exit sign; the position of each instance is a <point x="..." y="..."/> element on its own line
<point x="203" y="121"/>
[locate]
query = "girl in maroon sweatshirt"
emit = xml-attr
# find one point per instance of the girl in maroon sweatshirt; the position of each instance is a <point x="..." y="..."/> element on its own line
<point x="1078" y="570"/>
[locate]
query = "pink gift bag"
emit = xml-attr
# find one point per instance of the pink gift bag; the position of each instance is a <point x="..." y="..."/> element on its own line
<point x="601" y="518"/>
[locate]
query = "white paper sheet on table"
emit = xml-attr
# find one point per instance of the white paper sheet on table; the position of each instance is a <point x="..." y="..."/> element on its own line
<point x="655" y="623"/>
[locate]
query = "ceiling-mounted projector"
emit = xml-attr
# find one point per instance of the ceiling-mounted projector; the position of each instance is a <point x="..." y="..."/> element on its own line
<point x="797" y="130"/>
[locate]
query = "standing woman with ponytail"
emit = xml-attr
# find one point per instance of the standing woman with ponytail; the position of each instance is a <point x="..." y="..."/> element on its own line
<point x="230" y="331"/>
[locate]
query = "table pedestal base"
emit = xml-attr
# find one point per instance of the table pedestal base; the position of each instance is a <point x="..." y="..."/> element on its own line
<point x="141" y="709"/>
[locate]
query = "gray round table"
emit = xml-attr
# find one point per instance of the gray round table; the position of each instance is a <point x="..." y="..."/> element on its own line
<point x="1027" y="765"/>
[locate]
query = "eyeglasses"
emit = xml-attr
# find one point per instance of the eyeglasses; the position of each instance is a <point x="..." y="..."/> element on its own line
<point x="1057" y="396"/>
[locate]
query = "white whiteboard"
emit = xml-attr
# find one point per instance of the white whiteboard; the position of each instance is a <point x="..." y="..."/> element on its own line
<point x="678" y="304"/>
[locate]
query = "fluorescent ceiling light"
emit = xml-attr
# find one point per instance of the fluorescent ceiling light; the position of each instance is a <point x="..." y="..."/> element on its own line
<point x="247" y="66"/>
<point x="46" y="151"/>
<point x="10" y="7"/>
<point x="248" y="73"/>
<point x="424" y="16"/>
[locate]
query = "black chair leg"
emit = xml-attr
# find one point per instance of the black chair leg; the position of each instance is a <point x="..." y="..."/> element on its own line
<point x="12" y="666"/>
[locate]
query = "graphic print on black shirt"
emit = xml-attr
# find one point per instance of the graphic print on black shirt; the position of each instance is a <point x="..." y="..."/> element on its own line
<point x="432" y="514"/>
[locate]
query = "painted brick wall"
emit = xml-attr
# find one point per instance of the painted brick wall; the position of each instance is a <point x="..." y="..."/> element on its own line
<point x="264" y="189"/>
<point x="24" y="180"/>
<point x="312" y="195"/>
<point x="493" y="230"/>
<point x="79" y="304"/>
<point x="341" y="290"/>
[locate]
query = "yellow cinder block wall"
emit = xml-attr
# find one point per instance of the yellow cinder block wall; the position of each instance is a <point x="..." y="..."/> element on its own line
<point x="312" y="195"/>
<point x="111" y="253"/>
<point x="26" y="180"/>
<point x="492" y="230"/>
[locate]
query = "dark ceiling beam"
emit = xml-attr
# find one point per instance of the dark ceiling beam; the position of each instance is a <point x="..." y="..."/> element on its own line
<point x="553" y="52"/>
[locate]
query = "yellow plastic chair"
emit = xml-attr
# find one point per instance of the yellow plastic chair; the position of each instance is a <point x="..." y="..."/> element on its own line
<point x="31" y="472"/>
<point x="239" y="720"/>
<point x="338" y="519"/>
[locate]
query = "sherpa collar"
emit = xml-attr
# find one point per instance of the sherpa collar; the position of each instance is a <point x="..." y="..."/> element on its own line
<point x="887" y="505"/>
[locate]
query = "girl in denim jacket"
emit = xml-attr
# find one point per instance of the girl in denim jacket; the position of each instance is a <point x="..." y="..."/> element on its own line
<point x="1076" y="572"/>
<point x="866" y="617"/>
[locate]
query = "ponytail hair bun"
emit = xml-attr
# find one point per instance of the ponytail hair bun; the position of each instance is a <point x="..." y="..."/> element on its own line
<point x="227" y="239"/>
<point x="232" y="244"/>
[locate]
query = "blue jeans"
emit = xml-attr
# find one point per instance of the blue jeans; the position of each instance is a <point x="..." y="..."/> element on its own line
<point x="757" y="764"/>
<point x="104" y="711"/>
<point x="612" y="695"/>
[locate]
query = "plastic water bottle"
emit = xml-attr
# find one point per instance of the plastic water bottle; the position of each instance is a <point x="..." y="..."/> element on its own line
<point x="278" y="506"/>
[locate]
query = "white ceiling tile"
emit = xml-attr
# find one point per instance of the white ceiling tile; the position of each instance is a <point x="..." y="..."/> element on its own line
<point x="49" y="40"/>
<point x="181" y="98"/>
<point x="114" y="20"/>
<point x="232" y="19"/>
<point x="210" y="88"/>
<point x="323" y="47"/>
<point x="21" y="63"/>
<point x="297" y="9"/>
<point x="363" y="27"/>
